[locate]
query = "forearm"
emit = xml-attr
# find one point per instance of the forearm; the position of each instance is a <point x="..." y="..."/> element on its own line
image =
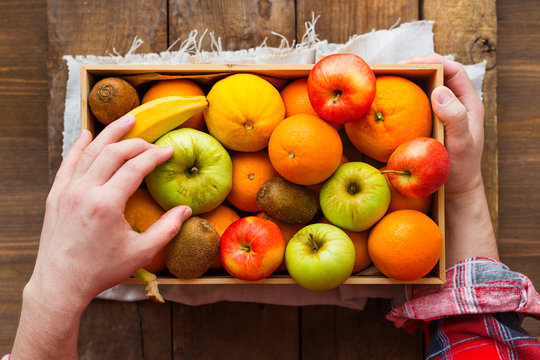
<point x="469" y="231"/>
<point x="46" y="331"/>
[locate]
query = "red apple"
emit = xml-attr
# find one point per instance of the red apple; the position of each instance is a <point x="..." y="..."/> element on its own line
<point x="251" y="248"/>
<point x="419" y="167"/>
<point x="341" y="88"/>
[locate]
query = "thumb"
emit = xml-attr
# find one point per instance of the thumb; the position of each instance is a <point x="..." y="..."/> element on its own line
<point x="451" y="112"/>
<point x="163" y="230"/>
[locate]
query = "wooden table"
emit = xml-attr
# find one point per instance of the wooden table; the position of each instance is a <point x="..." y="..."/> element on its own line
<point x="34" y="35"/>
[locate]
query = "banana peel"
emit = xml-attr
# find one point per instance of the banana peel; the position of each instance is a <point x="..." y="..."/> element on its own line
<point x="157" y="117"/>
<point x="150" y="283"/>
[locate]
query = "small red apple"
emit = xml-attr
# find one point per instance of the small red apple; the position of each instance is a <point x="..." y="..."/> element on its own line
<point x="252" y="248"/>
<point x="341" y="88"/>
<point x="419" y="167"/>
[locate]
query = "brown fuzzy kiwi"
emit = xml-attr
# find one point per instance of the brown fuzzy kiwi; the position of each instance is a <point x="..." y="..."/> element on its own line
<point x="287" y="202"/>
<point x="112" y="98"/>
<point x="193" y="250"/>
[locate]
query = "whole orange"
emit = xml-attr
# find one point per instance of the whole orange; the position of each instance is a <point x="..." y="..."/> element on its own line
<point x="400" y="112"/>
<point x="177" y="87"/>
<point x="287" y="230"/>
<point x="220" y="218"/>
<point x="360" y="241"/>
<point x="250" y="171"/>
<point x="141" y="212"/>
<point x="243" y="111"/>
<point x="305" y="149"/>
<point x="398" y="201"/>
<point x="296" y="100"/>
<point x="405" y="244"/>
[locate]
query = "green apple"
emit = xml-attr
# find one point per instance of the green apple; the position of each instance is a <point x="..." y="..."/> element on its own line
<point x="355" y="197"/>
<point x="198" y="174"/>
<point x="320" y="257"/>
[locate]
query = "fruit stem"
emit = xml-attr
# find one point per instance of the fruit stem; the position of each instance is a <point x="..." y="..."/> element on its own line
<point x="379" y="117"/>
<point x="150" y="283"/>
<point x="337" y="95"/>
<point x="396" y="172"/>
<point x="194" y="170"/>
<point x="314" y="246"/>
<point x="245" y="248"/>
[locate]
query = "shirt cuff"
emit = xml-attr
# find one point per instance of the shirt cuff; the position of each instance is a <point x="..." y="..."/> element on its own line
<point x="477" y="285"/>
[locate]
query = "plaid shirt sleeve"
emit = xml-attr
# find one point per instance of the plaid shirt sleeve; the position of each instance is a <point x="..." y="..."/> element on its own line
<point x="476" y="314"/>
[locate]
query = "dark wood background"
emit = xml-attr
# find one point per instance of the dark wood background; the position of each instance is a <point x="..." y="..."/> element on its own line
<point x="35" y="34"/>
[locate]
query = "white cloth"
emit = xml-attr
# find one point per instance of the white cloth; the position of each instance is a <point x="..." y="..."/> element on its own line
<point x="376" y="47"/>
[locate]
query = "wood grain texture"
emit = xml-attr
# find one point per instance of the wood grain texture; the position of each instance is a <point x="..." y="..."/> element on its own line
<point x="339" y="20"/>
<point x="233" y="331"/>
<point x="240" y="24"/>
<point x="351" y="334"/>
<point x="23" y="145"/>
<point x="473" y="26"/>
<point x="518" y="66"/>
<point x="97" y="27"/>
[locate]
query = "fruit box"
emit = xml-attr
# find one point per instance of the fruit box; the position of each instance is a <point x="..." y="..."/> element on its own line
<point x="426" y="76"/>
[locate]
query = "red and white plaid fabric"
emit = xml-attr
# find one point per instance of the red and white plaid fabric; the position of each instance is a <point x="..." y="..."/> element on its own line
<point x="476" y="314"/>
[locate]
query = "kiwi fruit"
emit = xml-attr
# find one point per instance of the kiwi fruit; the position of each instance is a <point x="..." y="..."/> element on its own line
<point x="112" y="98"/>
<point x="287" y="202"/>
<point x="193" y="250"/>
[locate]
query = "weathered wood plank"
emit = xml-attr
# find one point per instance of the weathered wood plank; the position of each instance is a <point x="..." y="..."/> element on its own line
<point x="81" y="28"/>
<point x="239" y="24"/>
<point x="228" y="330"/>
<point x="518" y="71"/>
<point x="473" y="26"/>
<point x="339" y="20"/>
<point x="23" y="145"/>
<point x="352" y="334"/>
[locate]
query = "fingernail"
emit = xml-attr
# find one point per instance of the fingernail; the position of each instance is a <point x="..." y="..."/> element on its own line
<point x="444" y="95"/>
<point x="127" y="119"/>
<point x="186" y="212"/>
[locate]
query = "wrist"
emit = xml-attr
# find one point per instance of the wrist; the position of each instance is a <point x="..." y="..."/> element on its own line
<point x="53" y="299"/>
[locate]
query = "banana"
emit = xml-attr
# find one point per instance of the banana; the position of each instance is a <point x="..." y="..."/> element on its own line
<point x="150" y="283"/>
<point x="157" y="117"/>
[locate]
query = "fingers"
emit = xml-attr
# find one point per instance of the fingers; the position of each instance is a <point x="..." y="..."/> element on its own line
<point x="451" y="112"/>
<point x="128" y="178"/>
<point x="163" y="230"/>
<point x="455" y="78"/>
<point x="112" y="157"/>
<point x="65" y="171"/>
<point x="112" y="133"/>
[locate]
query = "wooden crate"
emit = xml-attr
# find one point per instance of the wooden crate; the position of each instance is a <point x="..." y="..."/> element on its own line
<point x="426" y="76"/>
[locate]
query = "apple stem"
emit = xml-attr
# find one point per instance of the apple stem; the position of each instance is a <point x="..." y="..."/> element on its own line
<point x="314" y="246"/>
<point x="194" y="170"/>
<point x="396" y="172"/>
<point x="337" y="95"/>
<point x="245" y="248"/>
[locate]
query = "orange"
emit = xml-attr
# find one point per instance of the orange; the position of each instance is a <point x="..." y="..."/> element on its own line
<point x="400" y="112"/>
<point x="220" y="218"/>
<point x="405" y="245"/>
<point x="177" y="87"/>
<point x="360" y="241"/>
<point x="398" y="201"/>
<point x="250" y="171"/>
<point x="141" y="212"/>
<point x="243" y="111"/>
<point x="305" y="149"/>
<point x="287" y="230"/>
<point x="296" y="100"/>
